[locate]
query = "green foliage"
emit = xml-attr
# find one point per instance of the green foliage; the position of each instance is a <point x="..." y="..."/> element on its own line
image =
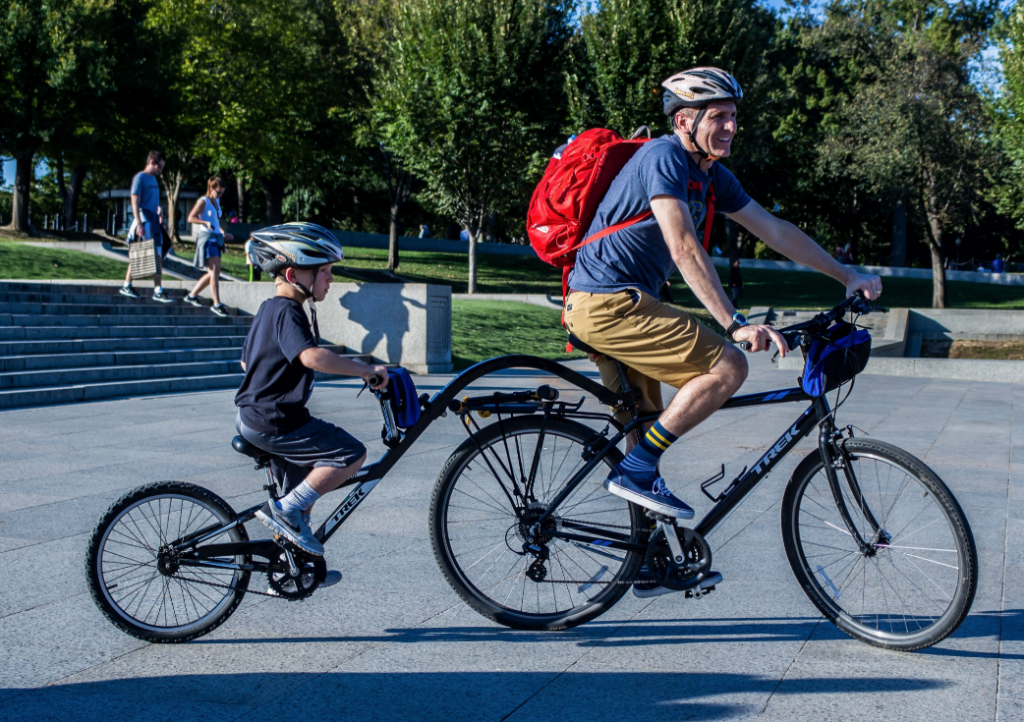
<point x="1009" y="113"/>
<point x="19" y="261"/>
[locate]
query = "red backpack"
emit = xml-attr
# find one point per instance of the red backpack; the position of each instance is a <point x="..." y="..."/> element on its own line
<point x="565" y="201"/>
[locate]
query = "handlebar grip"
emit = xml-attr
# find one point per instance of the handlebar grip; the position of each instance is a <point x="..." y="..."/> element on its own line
<point x="744" y="345"/>
<point x="375" y="380"/>
<point x="546" y="393"/>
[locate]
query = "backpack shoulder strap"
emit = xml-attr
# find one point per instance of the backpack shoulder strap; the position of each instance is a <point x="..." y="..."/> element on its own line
<point x="709" y="219"/>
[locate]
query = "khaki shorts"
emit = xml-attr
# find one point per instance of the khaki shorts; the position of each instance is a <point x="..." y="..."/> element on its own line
<point x="656" y="342"/>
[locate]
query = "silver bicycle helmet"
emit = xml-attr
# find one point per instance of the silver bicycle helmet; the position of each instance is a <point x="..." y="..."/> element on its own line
<point x="697" y="88"/>
<point x="295" y="245"/>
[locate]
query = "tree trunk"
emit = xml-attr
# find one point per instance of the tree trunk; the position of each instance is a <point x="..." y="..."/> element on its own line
<point x="474" y="234"/>
<point x="240" y="183"/>
<point x="71" y="195"/>
<point x="898" y="252"/>
<point x="935" y="231"/>
<point x="273" y="190"/>
<point x="20" y="198"/>
<point x="393" y="239"/>
<point x="172" y="183"/>
<point x="733" y="240"/>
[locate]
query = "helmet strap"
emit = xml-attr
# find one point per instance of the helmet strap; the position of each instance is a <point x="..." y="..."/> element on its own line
<point x="312" y="305"/>
<point x="705" y="155"/>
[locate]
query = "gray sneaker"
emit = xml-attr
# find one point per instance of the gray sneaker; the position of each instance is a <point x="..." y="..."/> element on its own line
<point x="159" y="296"/>
<point x="291" y="526"/>
<point x="220" y="309"/>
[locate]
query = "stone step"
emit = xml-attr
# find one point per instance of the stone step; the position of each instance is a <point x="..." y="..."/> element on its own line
<point x="100" y="345"/>
<point x="42" y="362"/>
<point x="54" y="333"/>
<point x="65" y="394"/>
<point x="110" y="309"/>
<point x="206" y="318"/>
<point x="103" y="299"/>
<point x="103" y="374"/>
<point x="145" y="288"/>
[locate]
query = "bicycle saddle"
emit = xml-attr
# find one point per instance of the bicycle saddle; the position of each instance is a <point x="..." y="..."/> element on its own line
<point x="242" y="446"/>
<point x="576" y="343"/>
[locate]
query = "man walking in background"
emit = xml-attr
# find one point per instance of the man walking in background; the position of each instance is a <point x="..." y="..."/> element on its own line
<point x="148" y="219"/>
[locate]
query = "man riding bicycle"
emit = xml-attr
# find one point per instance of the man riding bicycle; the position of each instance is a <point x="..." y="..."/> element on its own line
<point x="612" y="304"/>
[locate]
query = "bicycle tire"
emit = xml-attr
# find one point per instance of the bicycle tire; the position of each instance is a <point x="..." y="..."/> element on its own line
<point x="99" y="556"/>
<point x="892" y="565"/>
<point x="610" y="590"/>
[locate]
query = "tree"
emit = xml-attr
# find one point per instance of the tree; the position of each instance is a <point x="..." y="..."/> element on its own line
<point x="628" y="47"/>
<point x="1009" y="114"/>
<point x="914" y="125"/>
<point x="471" y="88"/>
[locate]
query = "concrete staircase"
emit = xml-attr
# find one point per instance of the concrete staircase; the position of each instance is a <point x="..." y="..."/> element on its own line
<point x="64" y="342"/>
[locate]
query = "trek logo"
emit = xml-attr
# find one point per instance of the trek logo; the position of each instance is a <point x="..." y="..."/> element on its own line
<point x="779" y="448"/>
<point x="354" y="498"/>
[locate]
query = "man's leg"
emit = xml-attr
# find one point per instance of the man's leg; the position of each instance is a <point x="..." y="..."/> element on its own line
<point x="704" y="395"/>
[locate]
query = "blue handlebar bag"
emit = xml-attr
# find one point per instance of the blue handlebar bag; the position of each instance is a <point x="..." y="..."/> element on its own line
<point x="404" y="402"/>
<point x="840" y="355"/>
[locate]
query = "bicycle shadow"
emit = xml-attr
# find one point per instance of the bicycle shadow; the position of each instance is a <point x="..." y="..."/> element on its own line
<point x="662" y="632"/>
<point x="427" y="696"/>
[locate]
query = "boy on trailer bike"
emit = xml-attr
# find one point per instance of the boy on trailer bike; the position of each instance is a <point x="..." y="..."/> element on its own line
<point x="280" y="356"/>
<point x="612" y="302"/>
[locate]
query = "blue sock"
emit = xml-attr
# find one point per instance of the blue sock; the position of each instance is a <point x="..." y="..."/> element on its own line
<point x="642" y="462"/>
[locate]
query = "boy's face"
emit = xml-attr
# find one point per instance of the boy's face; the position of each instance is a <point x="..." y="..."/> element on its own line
<point x="321" y="282"/>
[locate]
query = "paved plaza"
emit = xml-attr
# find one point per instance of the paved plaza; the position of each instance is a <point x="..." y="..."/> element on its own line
<point x="393" y="641"/>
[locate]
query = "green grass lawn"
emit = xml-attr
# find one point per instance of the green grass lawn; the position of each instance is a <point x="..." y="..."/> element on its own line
<point x="483" y="329"/>
<point x="32" y="262"/>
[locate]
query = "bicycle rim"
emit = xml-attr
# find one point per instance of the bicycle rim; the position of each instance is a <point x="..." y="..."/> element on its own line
<point x="484" y="538"/>
<point x="135" y="588"/>
<point x="908" y="590"/>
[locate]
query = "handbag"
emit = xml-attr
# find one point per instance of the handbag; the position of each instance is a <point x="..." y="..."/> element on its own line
<point x="143" y="258"/>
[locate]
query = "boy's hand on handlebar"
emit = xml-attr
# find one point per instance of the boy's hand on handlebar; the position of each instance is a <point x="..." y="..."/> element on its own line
<point x="758" y="338"/>
<point x="870" y="286"/>
<point x="378" y="374"/>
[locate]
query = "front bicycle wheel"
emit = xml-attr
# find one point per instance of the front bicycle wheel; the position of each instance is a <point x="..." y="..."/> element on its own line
<point x="481" y="511"/>
<point x="914" y="581"/>
<point x="137" y="582"/>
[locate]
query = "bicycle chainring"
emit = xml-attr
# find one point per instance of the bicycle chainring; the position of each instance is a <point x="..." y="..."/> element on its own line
<point x="312" y="571"/>
<point x="696" y="563"/>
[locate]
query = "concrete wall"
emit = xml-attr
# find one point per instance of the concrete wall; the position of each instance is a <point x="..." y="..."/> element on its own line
<point x="400" y="323"/>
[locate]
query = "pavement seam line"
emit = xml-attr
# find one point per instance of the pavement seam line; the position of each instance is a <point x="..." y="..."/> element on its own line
<point x="577" y="661"/>
<point x="1006" y="547"/>
<point x="782" y="679"/>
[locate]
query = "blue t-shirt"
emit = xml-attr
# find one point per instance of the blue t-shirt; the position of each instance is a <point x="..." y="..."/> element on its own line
<point x="148" y="190"/>
<point x="637" y="256"/>
<point x="272" y="398"/>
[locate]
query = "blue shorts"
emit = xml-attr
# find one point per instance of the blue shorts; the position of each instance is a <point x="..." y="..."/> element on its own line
<point x="313" y="445"/>
<point x="212" y="249"/>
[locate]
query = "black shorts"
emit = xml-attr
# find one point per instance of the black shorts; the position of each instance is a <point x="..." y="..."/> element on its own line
<point x="313" y="445"/>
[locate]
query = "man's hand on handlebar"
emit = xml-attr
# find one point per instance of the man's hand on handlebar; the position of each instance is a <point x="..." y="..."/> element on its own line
<point x="870" y="286"/>
<point x="376" y="376"/>
<point x="757" y="338"/>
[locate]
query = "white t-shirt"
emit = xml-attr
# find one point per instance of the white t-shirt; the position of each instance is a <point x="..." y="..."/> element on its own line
<point x="211" y="213"/>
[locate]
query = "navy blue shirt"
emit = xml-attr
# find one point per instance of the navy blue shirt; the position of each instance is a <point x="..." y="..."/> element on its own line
<point x="273" y="395"/>
<point x="637" y="256"/>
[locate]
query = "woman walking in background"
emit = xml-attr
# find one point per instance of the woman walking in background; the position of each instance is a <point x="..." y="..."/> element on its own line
<point x="205" y="220"/>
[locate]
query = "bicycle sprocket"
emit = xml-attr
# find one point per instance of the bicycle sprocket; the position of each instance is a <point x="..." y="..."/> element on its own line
<point x="311" y="573"/>
<point x="695" y="566"/>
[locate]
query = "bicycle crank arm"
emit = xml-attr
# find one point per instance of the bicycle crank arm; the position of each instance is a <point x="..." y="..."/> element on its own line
<point x="604" y="543"/>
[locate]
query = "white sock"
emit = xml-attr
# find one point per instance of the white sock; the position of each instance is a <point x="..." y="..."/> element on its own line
<point x="300" y="498"/>
<point x="158" y="289"/>
<point x="127" y="284"/>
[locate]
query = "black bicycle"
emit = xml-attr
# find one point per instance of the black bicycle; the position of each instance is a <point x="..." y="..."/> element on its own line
<point x="525" y="533"/>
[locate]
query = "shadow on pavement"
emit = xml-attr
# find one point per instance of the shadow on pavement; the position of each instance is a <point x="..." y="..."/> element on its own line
<point x="465" y="696"/>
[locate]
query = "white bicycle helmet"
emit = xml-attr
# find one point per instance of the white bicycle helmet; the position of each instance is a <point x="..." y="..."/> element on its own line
<point x="697" y="88"/>
<point x="295" y="245"/>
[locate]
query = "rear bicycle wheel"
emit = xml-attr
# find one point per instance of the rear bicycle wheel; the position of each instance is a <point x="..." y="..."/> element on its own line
<point x="478" y="526"/>
<point x="916" y="581"/>
<point x="134" y="581"/>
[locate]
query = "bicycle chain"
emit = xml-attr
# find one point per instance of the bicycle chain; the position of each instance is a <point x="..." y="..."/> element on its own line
<point x="228" y="586"/>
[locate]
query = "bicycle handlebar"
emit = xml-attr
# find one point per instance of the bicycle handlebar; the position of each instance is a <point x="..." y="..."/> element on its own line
<point x="823" y="320"/>
<point x="375" y="380"/>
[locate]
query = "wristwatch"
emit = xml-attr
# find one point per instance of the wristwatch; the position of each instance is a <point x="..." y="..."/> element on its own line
<point x="738" y="322"/>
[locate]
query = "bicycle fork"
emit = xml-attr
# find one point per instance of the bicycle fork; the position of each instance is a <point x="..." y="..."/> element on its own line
<point x="834" y="456"/>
